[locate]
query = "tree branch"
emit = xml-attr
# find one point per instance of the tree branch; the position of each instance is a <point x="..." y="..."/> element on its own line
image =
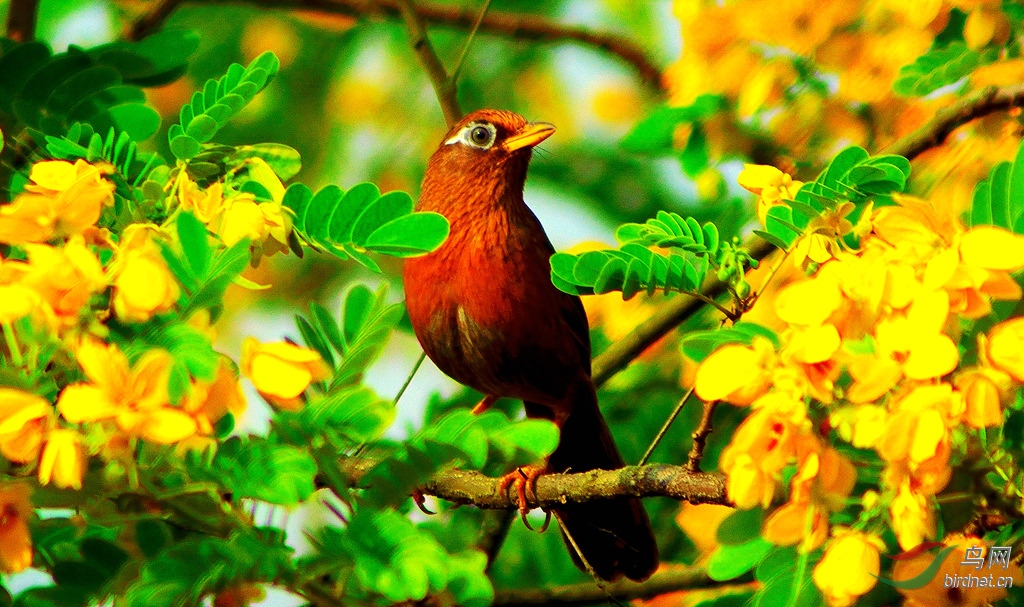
<point x="444" y="85"/>
<point x="934" y="132"/>
<point x="662" y="582"/>
<point x="21" y="20"/>
<point x="700" y="436"/>
<point x="677" y="482"/>
<point x="473" y="488"/>
<point x="522" y="27"/>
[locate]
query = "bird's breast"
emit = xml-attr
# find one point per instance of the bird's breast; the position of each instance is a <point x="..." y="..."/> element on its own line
<point x="484" y="309"/>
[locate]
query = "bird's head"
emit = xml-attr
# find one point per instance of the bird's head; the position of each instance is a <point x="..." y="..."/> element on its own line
<point x="484" y="157"/>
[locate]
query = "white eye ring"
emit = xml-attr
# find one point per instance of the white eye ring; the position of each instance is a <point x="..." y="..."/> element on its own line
<point x="471" y="135"/>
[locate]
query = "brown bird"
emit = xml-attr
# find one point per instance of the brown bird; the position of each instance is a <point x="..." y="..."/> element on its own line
<point x="485" y="311"/>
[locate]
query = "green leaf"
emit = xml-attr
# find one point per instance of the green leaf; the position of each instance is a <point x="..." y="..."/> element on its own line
<point x="694" y="156"/>
<point x="324" y="204"/>
<point x="202" y="128"/>
<point x="138" y="120"/>
<point x="655" y="133"/>
<point x="939" y="67"/>
<point x="259" y="469"/>
<point x="356" y="413"/>
<point x="284" y="160"/>
<point x="732" y="561"/>
<point x="219" y="101"/>
<point x="740" y="527"/>
<point x="184" y="147"/>
<point x="409" y="235"/>
<point x="194" y="243"/>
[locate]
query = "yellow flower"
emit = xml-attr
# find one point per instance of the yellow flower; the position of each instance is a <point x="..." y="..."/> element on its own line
<point x="809" y="302"/>
<point x="266" y="224"/>
<point x="24" y="418"/>
<point x="985" y="392"/>
<point x="143" y="286"/>
<point x="860" y="425"/>
<point x="63" y="460"/>
<point x="765" y="86"/>
<point x="912" y="517"/>
<point x="207" y="403"/>
<point x="1006" y="347"/>
<point x="207" y="205"/>
<point x="282" y="371"/>
<point x="66" y="278"/>
<point x="849" y="568"/>
<point x="772" y="186"/>
<point x="736" y="373"/>
<point x="916" y="336"/>
<point x="761" y="447"/>
<point x="64" y="200"/>
<point x="15" y="541"/>
<point x="134" y="397"/>
<point x="984" y="26"/>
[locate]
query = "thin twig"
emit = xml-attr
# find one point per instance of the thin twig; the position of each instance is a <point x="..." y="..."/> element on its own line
<point x="700" y="437"/>
<point x="672" y="580"/>
<point x="469" y="42"/>
<point x="510" y="25"/>
<point x="21" y="20"/>
<point x="444" y="86"/>
<point x="150" y="22"/>
<point x="665" y="427"/>
<point x="412" y="374"/>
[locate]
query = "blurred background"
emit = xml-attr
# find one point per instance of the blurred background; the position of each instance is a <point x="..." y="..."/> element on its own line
<point x="711" y="85"/>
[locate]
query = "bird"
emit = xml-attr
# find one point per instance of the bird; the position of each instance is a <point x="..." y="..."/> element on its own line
<point x="485" y="311"/>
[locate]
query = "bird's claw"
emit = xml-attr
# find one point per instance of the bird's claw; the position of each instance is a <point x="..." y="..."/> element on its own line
<point x="524" y="478"/>
<point x="420" y="500"/>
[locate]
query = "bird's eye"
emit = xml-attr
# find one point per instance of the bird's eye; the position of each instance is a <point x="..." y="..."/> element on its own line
<point x="480" y="135"/>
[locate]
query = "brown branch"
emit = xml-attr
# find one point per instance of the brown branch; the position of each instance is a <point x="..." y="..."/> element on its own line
<point x="473" y="488"/>
<point x="21" y="20"/>
<point x="522" y="27"/>
<point x="975" y="105"/>
<point x="662" y="582"/>
<point x="150" y="22"/>
<point x="676" y="482"/>
<point x="444" y="85"/>
<point x="700" y="436"/>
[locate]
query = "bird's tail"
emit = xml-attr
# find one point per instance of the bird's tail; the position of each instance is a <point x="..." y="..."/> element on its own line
<point x="614" y="536"/>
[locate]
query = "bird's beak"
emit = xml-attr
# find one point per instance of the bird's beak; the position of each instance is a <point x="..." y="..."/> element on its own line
<point x="529" y="136"/>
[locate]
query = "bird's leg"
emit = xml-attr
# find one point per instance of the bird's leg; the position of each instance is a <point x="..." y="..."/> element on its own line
<point x="523" y="478"/>
<point x="484" y="404"/>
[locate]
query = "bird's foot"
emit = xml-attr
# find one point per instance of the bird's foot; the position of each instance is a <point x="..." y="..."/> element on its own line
<point x="420" y="501"/>
<point x="524" y="479"/>
<point x="484" y="404"/>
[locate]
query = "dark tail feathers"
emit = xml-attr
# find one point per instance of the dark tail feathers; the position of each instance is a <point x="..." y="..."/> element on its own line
<point x="615" y="536"/>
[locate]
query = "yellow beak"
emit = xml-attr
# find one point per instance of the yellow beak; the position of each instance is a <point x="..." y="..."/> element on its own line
<point x="529" y="136"/>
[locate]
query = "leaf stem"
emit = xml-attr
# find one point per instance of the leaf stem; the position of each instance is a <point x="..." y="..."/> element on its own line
<point x="12" y="345"/>
<point x="469" y="41"/>
<point x="665" y="427"/>
<point x="412" y="374"/>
